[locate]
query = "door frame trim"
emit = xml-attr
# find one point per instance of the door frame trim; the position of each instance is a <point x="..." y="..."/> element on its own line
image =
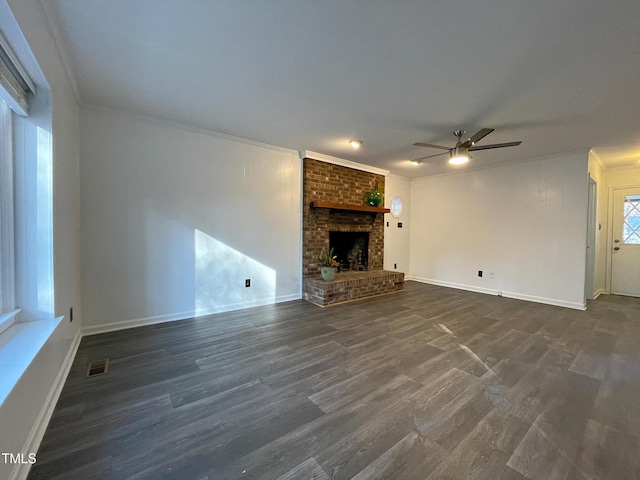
<point x="591" y="257"/>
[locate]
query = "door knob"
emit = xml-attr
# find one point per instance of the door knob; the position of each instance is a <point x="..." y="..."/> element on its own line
<point x="617" y="241"/>
<point x="616" y="248"/>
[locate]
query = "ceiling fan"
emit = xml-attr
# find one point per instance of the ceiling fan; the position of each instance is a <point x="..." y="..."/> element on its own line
<point x="460" y="153"/>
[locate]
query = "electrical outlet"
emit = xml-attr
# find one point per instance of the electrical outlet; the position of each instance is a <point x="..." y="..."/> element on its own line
<point x="387" y="224"/>
<point x="247" y="282"/>
<point x="399" y="224"/>
<point x="71" y="315"/>
<point x="395" y="266"/>
<point x="480" y="273"/>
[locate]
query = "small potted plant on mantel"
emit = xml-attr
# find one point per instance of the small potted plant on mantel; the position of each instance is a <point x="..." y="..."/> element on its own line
<point x="328" y="265"/>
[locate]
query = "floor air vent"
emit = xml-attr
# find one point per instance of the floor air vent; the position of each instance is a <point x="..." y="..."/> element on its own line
<point x="99" y="367"/>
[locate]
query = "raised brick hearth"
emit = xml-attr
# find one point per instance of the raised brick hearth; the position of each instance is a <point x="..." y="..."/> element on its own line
<point x="349" y="286"/>
<point x="327" y="182"/>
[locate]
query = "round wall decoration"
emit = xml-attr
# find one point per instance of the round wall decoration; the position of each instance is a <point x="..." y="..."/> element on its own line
<point x="396" y="206"/>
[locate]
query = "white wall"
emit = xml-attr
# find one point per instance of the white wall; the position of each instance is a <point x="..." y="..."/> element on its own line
<point x="396" y="240"/>
<point x="525" y="223"/>
<point x="174" y="220"/>
<point x="25" y="412"/>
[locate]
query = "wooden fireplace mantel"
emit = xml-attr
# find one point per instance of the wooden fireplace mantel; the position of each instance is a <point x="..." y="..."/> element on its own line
<point x="348" y="207"/>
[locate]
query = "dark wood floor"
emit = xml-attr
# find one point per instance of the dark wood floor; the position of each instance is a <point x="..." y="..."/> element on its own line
<point x="429" y="383"/>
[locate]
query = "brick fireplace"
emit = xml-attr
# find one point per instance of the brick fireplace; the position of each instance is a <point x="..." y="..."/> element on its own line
<point x="327" y="183"/>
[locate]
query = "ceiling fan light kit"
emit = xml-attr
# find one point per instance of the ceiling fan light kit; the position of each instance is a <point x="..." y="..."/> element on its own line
<point x="459" y="154"/>
<point x="458" y="159"/>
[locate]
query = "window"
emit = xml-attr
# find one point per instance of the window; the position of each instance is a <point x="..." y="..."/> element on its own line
<point x="26" y="207"/>
<point x="631" y="225"/>
<point x="7" y="250"/>
<point x="26" y="179"/>
<point x="15" y="86"/>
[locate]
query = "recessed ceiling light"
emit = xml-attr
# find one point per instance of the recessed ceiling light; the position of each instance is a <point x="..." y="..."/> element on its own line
<point x="355" y="143"/>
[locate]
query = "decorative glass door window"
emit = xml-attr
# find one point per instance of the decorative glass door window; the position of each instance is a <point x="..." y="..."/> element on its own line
<point x="631" y="224"/>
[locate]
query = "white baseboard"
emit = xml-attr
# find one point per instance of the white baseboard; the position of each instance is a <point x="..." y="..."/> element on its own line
<point x="21" y="471"/>
<point x="172" y="317"/>
<point x="458" y="286"/>
<point x="136" y="322"/>
<point x="488" y="291"/>
<point x="240" y="306"/>
<point x="547" y="301"/>
<point x="599" y="292"/>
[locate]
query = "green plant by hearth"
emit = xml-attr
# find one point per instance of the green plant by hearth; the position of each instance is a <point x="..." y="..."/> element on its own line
<point x="328" y="259"/>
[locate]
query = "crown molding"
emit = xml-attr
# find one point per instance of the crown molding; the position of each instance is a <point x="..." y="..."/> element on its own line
<point x="399" y="177"/>
<point x="188" y="128"/>
<point x="54" y="31"/>
<point x="342" y="162"/>
<point x="598" y="159"/>
<point x="506" y="164"/>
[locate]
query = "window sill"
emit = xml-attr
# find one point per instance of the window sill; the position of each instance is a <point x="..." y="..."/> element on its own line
<point x="8" y="319"/>
<point x="19" y="345"/>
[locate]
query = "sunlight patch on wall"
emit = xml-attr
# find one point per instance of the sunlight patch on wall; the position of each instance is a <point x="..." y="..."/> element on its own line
<point x="220" y="274"/>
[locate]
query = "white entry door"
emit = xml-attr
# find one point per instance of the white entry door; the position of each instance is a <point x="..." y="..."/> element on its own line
<point x="625" y="257"/>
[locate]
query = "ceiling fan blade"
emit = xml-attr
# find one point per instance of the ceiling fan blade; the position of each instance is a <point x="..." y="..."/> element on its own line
<point x="479" y="135"/>
<point x="429" y="156"/>
<point x="495" y="145"/>
<point x="430" y="145"/>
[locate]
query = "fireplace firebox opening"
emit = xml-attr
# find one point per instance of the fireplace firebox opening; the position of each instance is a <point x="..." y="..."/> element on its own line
<point x="351" y="250"/>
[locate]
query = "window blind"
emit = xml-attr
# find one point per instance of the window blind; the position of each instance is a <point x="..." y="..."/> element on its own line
<point x="15" y="84"/>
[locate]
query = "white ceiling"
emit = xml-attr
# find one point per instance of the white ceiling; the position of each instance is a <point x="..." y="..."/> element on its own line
<point x="310" y="74"/>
